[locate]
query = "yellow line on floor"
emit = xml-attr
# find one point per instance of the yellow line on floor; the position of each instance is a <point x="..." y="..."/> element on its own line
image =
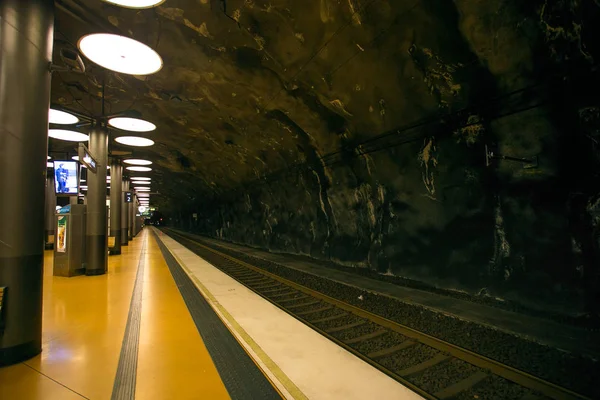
<point x="173" y="362"/>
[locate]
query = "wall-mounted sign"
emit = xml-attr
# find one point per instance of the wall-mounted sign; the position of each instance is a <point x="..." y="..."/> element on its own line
<point x="86" y="158"/>
<point x="128" y="197"/>
<point x="61" y="245"/>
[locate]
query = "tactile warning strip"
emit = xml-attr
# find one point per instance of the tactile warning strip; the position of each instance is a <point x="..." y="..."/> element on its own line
<point x="124" y="386"/>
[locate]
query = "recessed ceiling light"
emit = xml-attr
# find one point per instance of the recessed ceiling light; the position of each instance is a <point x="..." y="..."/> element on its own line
<point x="61" y="117"/>
<point x="140" y="169"/>
<point x="140" y="182"/>
<point x="142" y="189"/>
<point x="143" y="195"/>
<point x="76" y="158"/>
<point x="140" y="178"/>
<point x="70" y="136"/>
<point x="134" y="141"/>
<point x="134" y="161"/>
<point x="136" y="3"/>
<point x="49" y="164"/>
<point x="131" y="124"/>
<point x="120" y="54"/>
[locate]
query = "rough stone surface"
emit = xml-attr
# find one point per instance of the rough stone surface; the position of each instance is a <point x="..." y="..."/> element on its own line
<point x="355" y="132"/>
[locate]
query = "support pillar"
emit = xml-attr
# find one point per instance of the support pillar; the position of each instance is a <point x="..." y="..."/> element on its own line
<point x="96" y="220"/>
<point x="50" y="212"/>
<point x="130" y="218"/>
<point x="26" y="37"/>
<point x="124" y="215"/>
<point x="116" y="199"/>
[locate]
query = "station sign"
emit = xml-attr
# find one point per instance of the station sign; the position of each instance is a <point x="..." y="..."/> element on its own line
<point x="128" y="197"/>
<point x="85" y="157"/>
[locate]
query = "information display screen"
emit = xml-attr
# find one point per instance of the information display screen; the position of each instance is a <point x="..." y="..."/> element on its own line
<point x="66" y="181"/>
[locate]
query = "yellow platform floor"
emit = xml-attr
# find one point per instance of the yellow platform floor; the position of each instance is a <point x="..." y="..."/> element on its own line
<point x="84" y="323"/>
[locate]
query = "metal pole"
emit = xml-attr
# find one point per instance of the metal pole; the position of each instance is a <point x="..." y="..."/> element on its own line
<point x="125" y="215"/>
<point x="116" y="199"/>
<point x="96" y="222"/>
<point x="26" y="37"/>
<point x="50" y="211"/>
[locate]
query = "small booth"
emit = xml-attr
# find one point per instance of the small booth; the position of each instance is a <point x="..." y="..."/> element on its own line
<point x="69" y="249"/>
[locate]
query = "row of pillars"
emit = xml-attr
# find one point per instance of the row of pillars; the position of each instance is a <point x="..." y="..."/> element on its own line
<point x="122" y="214"/>
<point x="26" y="45"/>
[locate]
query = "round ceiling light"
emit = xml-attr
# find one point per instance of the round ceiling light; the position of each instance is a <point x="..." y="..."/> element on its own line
<point x="120" y="54"/>
<point x="136" y="4"/>
<point x="131" y="124"/>
<point x="140" y="178"/>
<point x="134" y="141"/>
<point x="134" y="161"/>
<point x="61" y="117"/>
<point x="141" y="169"/>
<point x="70" y="136"/>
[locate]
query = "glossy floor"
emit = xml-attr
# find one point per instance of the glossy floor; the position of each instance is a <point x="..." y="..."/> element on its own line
<point x="83" y="326"/>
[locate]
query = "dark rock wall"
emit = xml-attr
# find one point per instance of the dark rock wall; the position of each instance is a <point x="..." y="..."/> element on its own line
<point x="421" y="202"/>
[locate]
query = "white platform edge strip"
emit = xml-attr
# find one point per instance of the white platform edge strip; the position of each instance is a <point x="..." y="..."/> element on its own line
<point x="283" y="383"/>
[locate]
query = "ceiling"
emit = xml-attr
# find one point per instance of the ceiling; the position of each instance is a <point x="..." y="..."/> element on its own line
<point x="251" y="87"/>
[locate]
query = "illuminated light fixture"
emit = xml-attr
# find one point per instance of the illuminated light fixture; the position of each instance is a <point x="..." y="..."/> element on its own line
<point x="140" y="182"/>
<point x="140" y="178"/>
<point x="131" y="124"/>
<point x="120" y="54"/>
<point x="142" y="209"/>
<point x="76" y="158"/>
<point x="134" y="141"/>
<point x="70" y="136"/>
<point x="49" y="165"/>
<point x="135" y="161"/>
<point x="82" y="180"/>
<point x="140" y="169"/>
<point x="61" y="117"/>
<point x="136" y="4"/>
<point x="48" y="157"/>
<point x="137" y="189"/>
<point x="83" y="187"/>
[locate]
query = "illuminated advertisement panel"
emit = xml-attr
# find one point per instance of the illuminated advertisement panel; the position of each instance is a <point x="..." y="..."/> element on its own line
<point x="66" y="181"/>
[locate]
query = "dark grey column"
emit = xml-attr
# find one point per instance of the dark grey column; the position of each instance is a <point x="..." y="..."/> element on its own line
<point x="116" y="199"/>
<point x="50" y="211"/>
<point x="26" y="36"/>
<point x="130" y="220"/>
<point x="96" y="244"/>
<point x="125" y="216"/>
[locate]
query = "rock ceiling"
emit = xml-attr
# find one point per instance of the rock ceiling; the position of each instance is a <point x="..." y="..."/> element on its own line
<point x="252" y="87"/>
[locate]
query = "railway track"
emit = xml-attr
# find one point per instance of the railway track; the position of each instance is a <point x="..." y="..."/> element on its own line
<point x="433" y="368"/>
